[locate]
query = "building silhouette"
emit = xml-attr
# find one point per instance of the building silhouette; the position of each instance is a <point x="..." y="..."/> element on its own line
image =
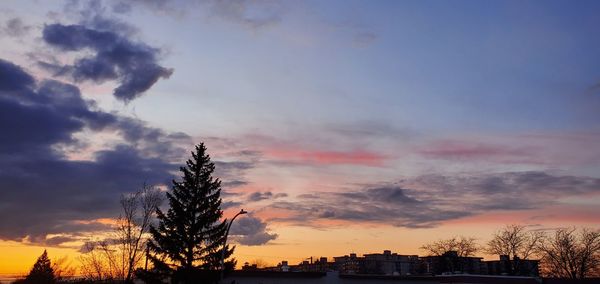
<point x="394" y="264"/>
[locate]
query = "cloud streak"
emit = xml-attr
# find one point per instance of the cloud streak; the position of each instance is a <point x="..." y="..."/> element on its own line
<point x="249" y="14"/>
<point x="267" y="195"/>
<point x="354" y="157"/>
<point x="428" y="201"/>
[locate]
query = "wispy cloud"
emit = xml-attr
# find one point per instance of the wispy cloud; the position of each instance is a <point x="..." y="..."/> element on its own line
<point x="453" y="149"/>
<point x="430" y="200"/>
<point x="267" y="195"/>
<point x="251" y="14"/>
<point x="549" y="148"/>
<point x="248" y="13"/>
<point x="354" y="157"/>
<point x="365" y="38"/>
<point x="15" y="27"/>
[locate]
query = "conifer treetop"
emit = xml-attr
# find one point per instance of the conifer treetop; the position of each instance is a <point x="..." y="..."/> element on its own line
<point x="42" y="271"/>
<point x="191" y="234"/>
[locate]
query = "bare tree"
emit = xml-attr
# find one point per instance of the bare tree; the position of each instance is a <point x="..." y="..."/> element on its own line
<point x="132" y="226"/>
<point x="63" y="269"/>
<point x="463" y="246"/>
<point x="117" y="258"/>
<point x="516" y="242"/>
<point x="453" y="250"/>
<point x="94" y="264"/>
<point x="571" y="254"/>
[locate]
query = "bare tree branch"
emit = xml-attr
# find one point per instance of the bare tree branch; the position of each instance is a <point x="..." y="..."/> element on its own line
<point x="117" y="258"/>
<point x="464" y="246"/>
<point x="572" y="254"/>
<point x="515" y="242"/>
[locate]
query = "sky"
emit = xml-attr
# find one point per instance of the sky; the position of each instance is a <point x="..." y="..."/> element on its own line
<point x="341" y="126"/>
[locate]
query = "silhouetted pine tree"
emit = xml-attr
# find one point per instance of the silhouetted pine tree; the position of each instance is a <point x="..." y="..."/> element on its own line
<point x="42" y="271"/>
<point x="189" y="237"/>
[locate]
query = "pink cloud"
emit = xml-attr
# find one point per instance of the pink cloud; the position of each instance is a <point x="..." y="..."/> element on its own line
<point x="312" y="152"/>
<point x="574" y="148"/>
<point x="353" y="157"/>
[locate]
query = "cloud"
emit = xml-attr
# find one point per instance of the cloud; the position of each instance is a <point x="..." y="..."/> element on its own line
<point x="16" y="28"/>
<point x="267" y="195"/>
<point x="430" y="200"/>
<point x="251" y="14"/>
<point x="133" y="64"/>
<point x="366" y="130"/>
<point x="364" y="38"/>
<point x="56" y="177"/>
<point x="248" y="13"/>
<point x="124" y="7"/>
<point x="251" y="231"/>
<point x="35" y="119"/>
<point x="233" y="183"/>
<point x="326" y="150"/>
<point x="501" y="191"/>
<point x="230" y="204"/>
<point x="451" y="150"/>
<point x="385" y="205"/>
<point x="576" y="149"/>
<point x="13" y="79"/>
<point x="232" y="173"/>
<point x="353" y="157"/>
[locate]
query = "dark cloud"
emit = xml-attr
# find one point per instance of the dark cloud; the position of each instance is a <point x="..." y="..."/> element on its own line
<point x="44" y="192"/>
<point x="233" y="183"/>
<point x="230" y="204"/>
<point x="55" y="241"/>
<point x="133" y="64"/>
<point x="427" y="201"/>
<point x="251" y="231"/>
<point x="388" y="204"/>
<point x="151" y="141"/>
<point x="258" y="196"/>
<point x="235" y="165"/>
<point x="13" y="79"/>
<point x="501" y="191"/>
<point x="232" y="173"/>
<point x="48" y="198"/>
<point x="16" y="28"/>
<point x="97" y="15"/>
<point x="267" y="195"/>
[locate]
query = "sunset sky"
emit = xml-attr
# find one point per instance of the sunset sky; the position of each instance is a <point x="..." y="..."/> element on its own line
<point x="341" y="126"/>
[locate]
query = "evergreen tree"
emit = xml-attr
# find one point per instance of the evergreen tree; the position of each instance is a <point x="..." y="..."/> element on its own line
<point x="42" y="271"/>
<point x="189" y="237"/>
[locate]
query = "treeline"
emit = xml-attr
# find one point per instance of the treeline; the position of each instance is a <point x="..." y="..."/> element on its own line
<point x="563" y="253"/>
